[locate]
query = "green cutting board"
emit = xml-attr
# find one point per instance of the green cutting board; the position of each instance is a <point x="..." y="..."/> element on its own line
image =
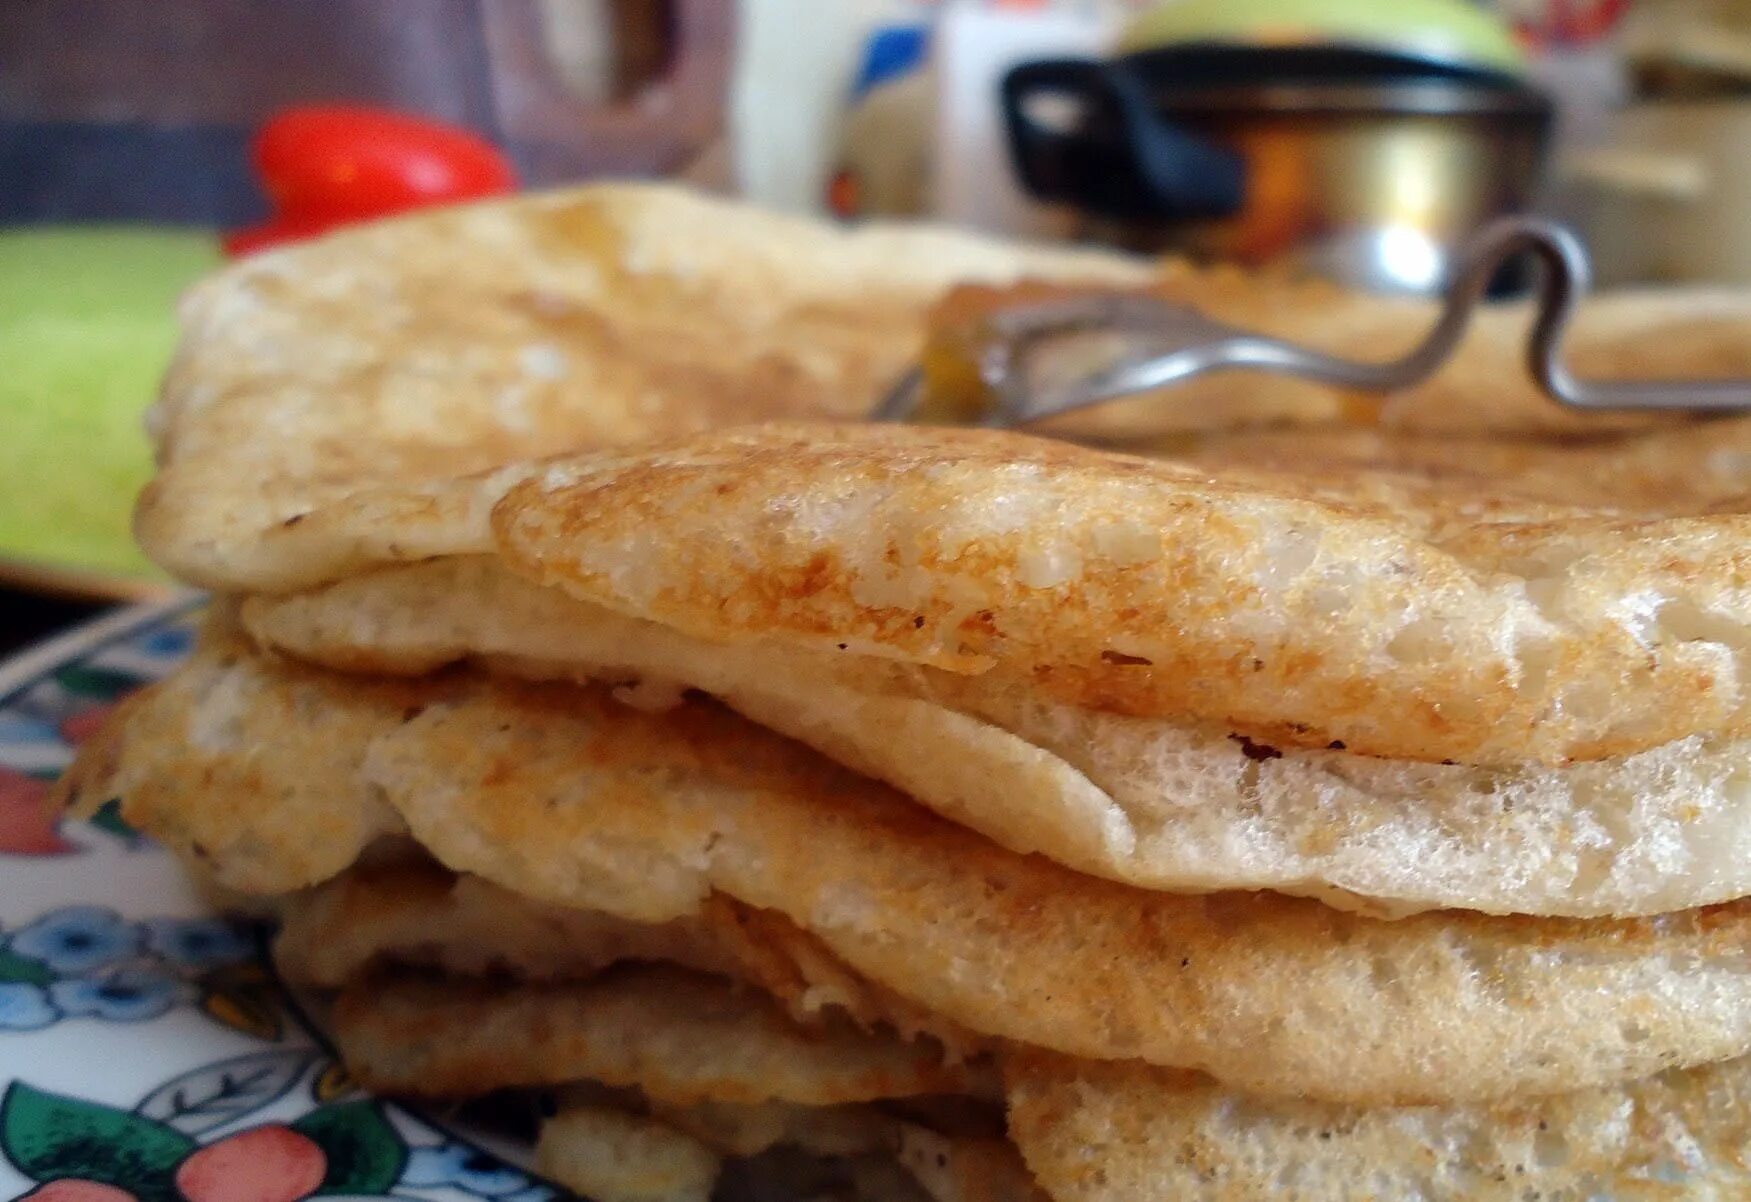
<point x="87" y="325"/>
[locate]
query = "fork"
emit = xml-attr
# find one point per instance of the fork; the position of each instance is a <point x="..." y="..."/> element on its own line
<point x="1183" y="344"/>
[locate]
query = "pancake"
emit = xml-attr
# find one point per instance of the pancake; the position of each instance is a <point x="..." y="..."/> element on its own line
<point x="749" y="1129"/>
<point x="1405" y="617"/>
<point x="401" y="355"/>
<point x="569" y="797"/>
<point x="614" y="1156"/>
<point x="426" y="347"/>
<point x="1150" y="802"/>
<point x="1401" y="617"/>
<point x="678" y="1037"/>
<point x="1117" y="1132"/>
<point x="418" y="915"/>
<point x="858" y="1153"/>
<point x="249" y="775"/>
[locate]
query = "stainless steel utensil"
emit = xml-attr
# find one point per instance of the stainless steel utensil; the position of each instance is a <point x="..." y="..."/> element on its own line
<point x="1178" y="343"/>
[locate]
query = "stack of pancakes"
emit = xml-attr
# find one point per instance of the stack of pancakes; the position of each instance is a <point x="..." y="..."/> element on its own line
<point x="902" y="812"/>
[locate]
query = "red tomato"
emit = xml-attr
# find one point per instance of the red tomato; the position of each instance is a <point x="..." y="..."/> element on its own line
<point x="326" y="164"/>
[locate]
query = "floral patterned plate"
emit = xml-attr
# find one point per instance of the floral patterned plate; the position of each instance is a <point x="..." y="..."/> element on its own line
<point x="146" y="1051"/>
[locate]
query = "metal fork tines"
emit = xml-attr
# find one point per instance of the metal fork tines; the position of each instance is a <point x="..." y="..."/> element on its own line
<point x="1183" y="344"/>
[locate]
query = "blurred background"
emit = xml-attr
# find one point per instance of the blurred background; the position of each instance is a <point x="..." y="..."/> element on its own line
<point x="143" y="143"/>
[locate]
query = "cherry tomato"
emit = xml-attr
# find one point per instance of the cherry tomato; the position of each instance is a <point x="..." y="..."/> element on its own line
<point x="326" y="164"/>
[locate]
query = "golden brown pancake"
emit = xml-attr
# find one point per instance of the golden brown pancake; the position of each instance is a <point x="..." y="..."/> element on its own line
<point x="247" y="776"/>
<point x="407" y="353"/>
<point x="1351" y="664"/>
<point x="1402" y="616"/>
<point x="1398" y="616"/>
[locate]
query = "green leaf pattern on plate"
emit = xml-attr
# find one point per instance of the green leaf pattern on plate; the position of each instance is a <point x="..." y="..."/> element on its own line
<point x="51" y="1138"/>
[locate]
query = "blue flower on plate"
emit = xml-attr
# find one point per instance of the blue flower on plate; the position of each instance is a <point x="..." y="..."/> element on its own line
<point x="24" y="1007"/>
<point x="123" y="997"/>
<point x="168" y="641"/>
<point x="465" y="1168"/>
<point x="77" y="939"/>
<point x="20" y="728"/>
<point x="198" y="942"/>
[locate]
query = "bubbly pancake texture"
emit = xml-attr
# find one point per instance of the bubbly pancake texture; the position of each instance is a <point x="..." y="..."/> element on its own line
<point x="1117" y="1132"/>
<point x="572" y="798"/>
<point x="397" y="356"/>
<point x="1152" y="802"/>
<point x="1394" y="615"/>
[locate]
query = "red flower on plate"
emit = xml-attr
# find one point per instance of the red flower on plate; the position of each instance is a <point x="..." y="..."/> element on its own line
<point x="27" y="823"/>
<point x="264" y="1164"/>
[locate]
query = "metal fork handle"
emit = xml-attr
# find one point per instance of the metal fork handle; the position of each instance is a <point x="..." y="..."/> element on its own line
<point x="1194" y="345"/>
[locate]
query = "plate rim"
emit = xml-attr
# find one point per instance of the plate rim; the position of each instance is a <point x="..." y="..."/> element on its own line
<point x="31" y="664"/>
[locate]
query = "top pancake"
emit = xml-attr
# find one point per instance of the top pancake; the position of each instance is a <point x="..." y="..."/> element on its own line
<point x="413" y="350"/>
<point x="398" y="356"/>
